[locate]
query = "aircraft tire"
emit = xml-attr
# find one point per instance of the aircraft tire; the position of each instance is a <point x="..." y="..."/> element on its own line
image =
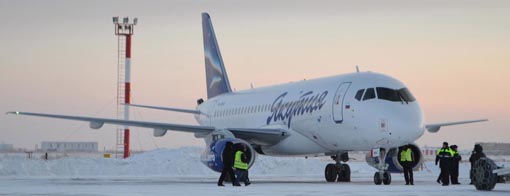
<point x="344" y="173"/>
<point x="483" y="178"/>
<point x="386" y="178"/>
<point x="330" y="173"/>
<point x="377" y="178"/>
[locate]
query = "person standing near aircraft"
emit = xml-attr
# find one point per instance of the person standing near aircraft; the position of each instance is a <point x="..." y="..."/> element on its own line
<point x="444" y="157"/>
<point x="454" y="175"/>
<point x="228" y="162"/>
<point x="475" y="156"/>
<point x="406" y="160"/>
<point x="241" y="166"/>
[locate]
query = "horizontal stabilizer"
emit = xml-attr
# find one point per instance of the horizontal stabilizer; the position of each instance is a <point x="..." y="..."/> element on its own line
<point x="433" y="128"/>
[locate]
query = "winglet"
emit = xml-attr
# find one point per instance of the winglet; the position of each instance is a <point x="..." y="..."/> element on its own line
<point x="434" y="128"/>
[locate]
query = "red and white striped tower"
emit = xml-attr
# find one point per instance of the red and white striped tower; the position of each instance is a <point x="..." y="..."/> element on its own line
<point x="124" y="31"/>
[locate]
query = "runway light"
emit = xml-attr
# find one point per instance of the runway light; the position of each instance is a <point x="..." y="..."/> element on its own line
<point x="115" y="19"/>
<point x="125" y="20"/>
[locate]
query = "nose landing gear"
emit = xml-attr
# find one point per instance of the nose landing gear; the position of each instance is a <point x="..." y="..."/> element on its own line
<point x="338" y="171"/>
<point x="382" y="176"/>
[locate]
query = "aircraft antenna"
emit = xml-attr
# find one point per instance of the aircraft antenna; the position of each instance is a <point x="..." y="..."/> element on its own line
<point x="357" y="69"/>
<point x="123" y="30"/>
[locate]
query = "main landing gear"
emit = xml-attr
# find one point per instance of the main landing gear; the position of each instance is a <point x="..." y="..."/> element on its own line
<point x="382" y="176"/>
<point x="338" y="171"/>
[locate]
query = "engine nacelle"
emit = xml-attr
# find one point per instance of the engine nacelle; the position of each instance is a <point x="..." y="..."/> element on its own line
<point x="392" y="159"/>
<point x="211" y="157"/>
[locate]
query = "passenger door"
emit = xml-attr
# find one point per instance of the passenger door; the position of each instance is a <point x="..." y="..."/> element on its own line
<point x="338" y="102"/>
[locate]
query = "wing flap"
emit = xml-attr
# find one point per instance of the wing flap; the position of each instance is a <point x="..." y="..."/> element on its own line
<point x="260" y="136"/>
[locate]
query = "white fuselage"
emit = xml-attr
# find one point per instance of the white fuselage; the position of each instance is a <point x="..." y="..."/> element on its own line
<point x="321" y="115"/>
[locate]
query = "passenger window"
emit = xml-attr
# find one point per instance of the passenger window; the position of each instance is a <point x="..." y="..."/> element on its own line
<point x="369" y="94"/>
<point x="359" y="94"/>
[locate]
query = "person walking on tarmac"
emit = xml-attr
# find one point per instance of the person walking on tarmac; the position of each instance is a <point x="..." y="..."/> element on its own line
<point x="406" y="160"/>
<point x="228" y="161"/>
<point x="454" y="176"/>
<point x="444" y="157"/>
<point x="241" y="166"/>
<point x="475" y="156"/>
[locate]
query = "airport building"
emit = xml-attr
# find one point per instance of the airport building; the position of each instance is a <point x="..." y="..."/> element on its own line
<point x="69" y="146"/>
<point x="496" y="148"/>
<point x="6" y="147"/>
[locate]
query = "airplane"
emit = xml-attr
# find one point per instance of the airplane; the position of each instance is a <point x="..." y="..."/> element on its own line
<point x="330" y="116"/>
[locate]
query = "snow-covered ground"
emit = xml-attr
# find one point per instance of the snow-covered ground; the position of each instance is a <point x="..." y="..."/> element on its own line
<point x="179" y="172"/>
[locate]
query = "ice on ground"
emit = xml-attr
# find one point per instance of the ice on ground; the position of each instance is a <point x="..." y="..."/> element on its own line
<point x="183" y="161"/>
<point x="180" y="172"/>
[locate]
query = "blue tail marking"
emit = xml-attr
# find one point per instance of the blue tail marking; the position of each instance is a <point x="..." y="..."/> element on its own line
<point x="216" y="75"/>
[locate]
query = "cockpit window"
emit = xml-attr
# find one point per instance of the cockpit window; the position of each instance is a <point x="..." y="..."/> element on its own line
<point x="401" y="95"/>
<point x="388" y="94"/>
<point x="359" y="94"/>
<point x="406" y="94"/>
<point x="369" y="94"/>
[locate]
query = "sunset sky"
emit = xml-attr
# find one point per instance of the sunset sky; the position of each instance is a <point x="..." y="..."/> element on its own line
<point x="60" y="57"/>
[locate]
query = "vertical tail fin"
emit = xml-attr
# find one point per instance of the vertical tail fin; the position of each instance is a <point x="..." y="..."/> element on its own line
<point x="216" y="75"/>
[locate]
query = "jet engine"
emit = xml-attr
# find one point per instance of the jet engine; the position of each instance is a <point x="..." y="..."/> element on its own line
<point x="211" y="157"/>
<point x="392" y="159"/>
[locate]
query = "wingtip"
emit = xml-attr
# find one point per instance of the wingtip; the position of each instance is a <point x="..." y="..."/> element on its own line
<point x="12" y="112"/>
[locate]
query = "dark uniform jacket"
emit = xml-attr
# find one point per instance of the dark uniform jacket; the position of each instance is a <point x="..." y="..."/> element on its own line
<point x="444" y="157"/>
<point x="476" y="155"/>
<point x="228" y="157"/>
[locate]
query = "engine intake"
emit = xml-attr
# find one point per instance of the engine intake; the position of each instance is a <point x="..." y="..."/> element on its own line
<point x="211" y="157"/>
<point x="393" y="156"/>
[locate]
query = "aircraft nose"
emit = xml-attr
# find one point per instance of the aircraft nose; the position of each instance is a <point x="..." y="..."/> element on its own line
<point x="408" y="126"/>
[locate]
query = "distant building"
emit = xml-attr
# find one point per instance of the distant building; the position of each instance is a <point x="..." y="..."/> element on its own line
<point x="69" y="146"/>
<point x="6" y="147"/>
<point x="496" y="148"/>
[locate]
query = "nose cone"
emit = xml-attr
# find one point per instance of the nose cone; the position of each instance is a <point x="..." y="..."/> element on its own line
<point x="407" y="123"/>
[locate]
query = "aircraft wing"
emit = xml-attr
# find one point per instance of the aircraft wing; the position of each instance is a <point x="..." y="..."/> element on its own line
<point x="261" y="136"/>
<point x="433" y="128"/>
<point x="96" y="123"/>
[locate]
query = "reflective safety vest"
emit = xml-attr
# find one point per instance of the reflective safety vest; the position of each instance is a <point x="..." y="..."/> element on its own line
<point x="447" y="150"/>
<point x="238" y="163"/>
<point x="405" y="155"/>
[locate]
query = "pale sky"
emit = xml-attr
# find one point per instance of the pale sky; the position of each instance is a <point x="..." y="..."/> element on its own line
<point x="60" y="57"/>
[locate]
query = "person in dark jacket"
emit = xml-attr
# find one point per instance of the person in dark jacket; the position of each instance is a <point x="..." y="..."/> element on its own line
<point x="228" y="162"/>
<point x="454" y="176"/>
<point x="475" y="156"/>
<point x="444" y="157"/>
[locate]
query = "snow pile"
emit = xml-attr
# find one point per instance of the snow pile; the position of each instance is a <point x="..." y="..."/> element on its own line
<point x="161" y="162"/>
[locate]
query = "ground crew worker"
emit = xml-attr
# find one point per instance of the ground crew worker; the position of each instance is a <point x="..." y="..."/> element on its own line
<point x="475" y="156"/>
<point x="228" y="161"/>
<point x="406" y="160"/>
<point x="454" y="176"/>
<point x="444" y="157"/>
<point x="241" y="166"/>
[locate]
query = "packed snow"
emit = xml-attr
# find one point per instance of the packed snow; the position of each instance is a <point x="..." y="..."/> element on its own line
<point x="179" y="172"/>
